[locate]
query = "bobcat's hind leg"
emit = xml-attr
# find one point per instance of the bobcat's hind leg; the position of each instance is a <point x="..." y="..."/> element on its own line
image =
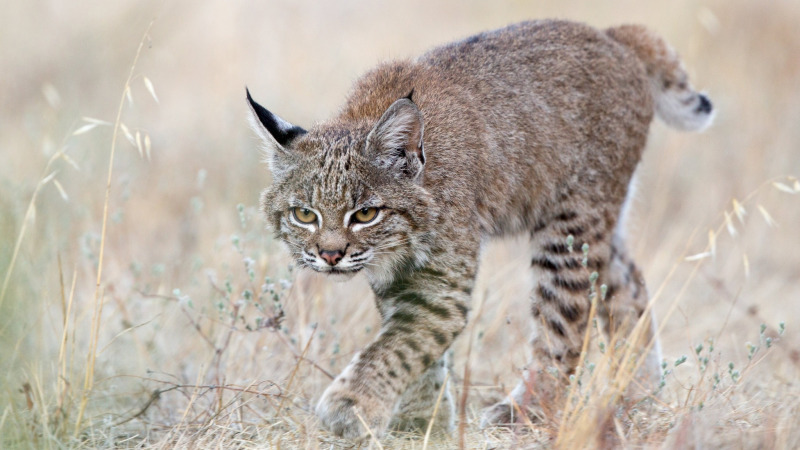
<point x="560" y="306"/>
<point x="625" y="305"/>
<point x="417" y="404"/>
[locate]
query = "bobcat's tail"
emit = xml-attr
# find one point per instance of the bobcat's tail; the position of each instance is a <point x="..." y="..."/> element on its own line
<point x="677" y="103"/>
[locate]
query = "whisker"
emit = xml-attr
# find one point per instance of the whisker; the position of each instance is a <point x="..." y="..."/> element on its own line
<point x="390" y="244"/>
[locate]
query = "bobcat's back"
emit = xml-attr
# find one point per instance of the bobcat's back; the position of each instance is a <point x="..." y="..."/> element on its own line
<point x="518" y="117"/>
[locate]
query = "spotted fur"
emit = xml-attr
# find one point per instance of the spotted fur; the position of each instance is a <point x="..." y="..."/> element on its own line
<point x="535" y="128"/>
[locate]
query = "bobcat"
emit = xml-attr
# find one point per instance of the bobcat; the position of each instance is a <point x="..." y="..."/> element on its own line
<point x="535" y="128"/>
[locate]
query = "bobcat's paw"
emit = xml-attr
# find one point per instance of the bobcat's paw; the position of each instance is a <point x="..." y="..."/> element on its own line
<point x="414" y="414"/>
<point x="505" y="413"/>
<point x="524" y="403"/>
<point x="338" y="407"/>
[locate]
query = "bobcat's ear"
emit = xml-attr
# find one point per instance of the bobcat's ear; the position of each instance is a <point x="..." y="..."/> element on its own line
<point x="276" y="133"/>
<point x="395" y="143"/>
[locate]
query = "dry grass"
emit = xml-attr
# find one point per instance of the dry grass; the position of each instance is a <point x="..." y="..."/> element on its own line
<point x="143" y="305"/>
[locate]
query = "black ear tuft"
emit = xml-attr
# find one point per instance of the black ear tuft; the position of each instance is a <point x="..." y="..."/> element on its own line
<point x="410" y="95"/>
<point x="282" y="131"/>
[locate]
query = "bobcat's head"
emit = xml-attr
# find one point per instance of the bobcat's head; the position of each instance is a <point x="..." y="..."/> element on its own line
<point x="347" y="196"/>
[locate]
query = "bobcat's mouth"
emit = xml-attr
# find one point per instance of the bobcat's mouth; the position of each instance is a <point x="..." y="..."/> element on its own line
<point x="333" y="270"/>
<point x="337" y="274"/>
<point x="337" y="270"/>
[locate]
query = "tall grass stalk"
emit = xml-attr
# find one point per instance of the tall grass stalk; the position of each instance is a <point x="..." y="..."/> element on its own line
<point x="47" y="176"/>
<point x="573" y="388"/>
<point x="98" y="292"/>
<point x="63" y="368"/>
<point x="435" y="410"/>
<point x="462" y="408"/>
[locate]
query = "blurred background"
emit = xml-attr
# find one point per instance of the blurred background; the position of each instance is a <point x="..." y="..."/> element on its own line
<point x="192" y="285"/>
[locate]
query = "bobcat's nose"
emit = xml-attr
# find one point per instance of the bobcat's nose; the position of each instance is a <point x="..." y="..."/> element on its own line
<point x="331" y="256"/>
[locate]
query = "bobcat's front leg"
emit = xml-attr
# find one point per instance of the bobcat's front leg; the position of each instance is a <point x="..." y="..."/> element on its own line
<point x="422" y="313"/>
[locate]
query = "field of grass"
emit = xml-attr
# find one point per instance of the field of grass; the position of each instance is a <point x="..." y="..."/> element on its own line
<point x="144" y="305"/>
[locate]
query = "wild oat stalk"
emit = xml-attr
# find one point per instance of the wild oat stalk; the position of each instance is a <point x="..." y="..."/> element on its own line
<point x="569" y="409"/>
<point x="435" y="410"/>
<point x="98" y="296"/>
<point x="462" y="408"/>
<point x="47" y="176"/>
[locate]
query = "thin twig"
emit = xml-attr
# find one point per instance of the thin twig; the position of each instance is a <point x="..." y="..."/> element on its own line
<point x="294" y="372"/>
<point x="313" y="363"/>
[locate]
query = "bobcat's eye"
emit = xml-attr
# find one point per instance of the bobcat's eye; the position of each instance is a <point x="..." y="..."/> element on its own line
<point x="304" y="215"/>
<point x="365" y="215"/>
